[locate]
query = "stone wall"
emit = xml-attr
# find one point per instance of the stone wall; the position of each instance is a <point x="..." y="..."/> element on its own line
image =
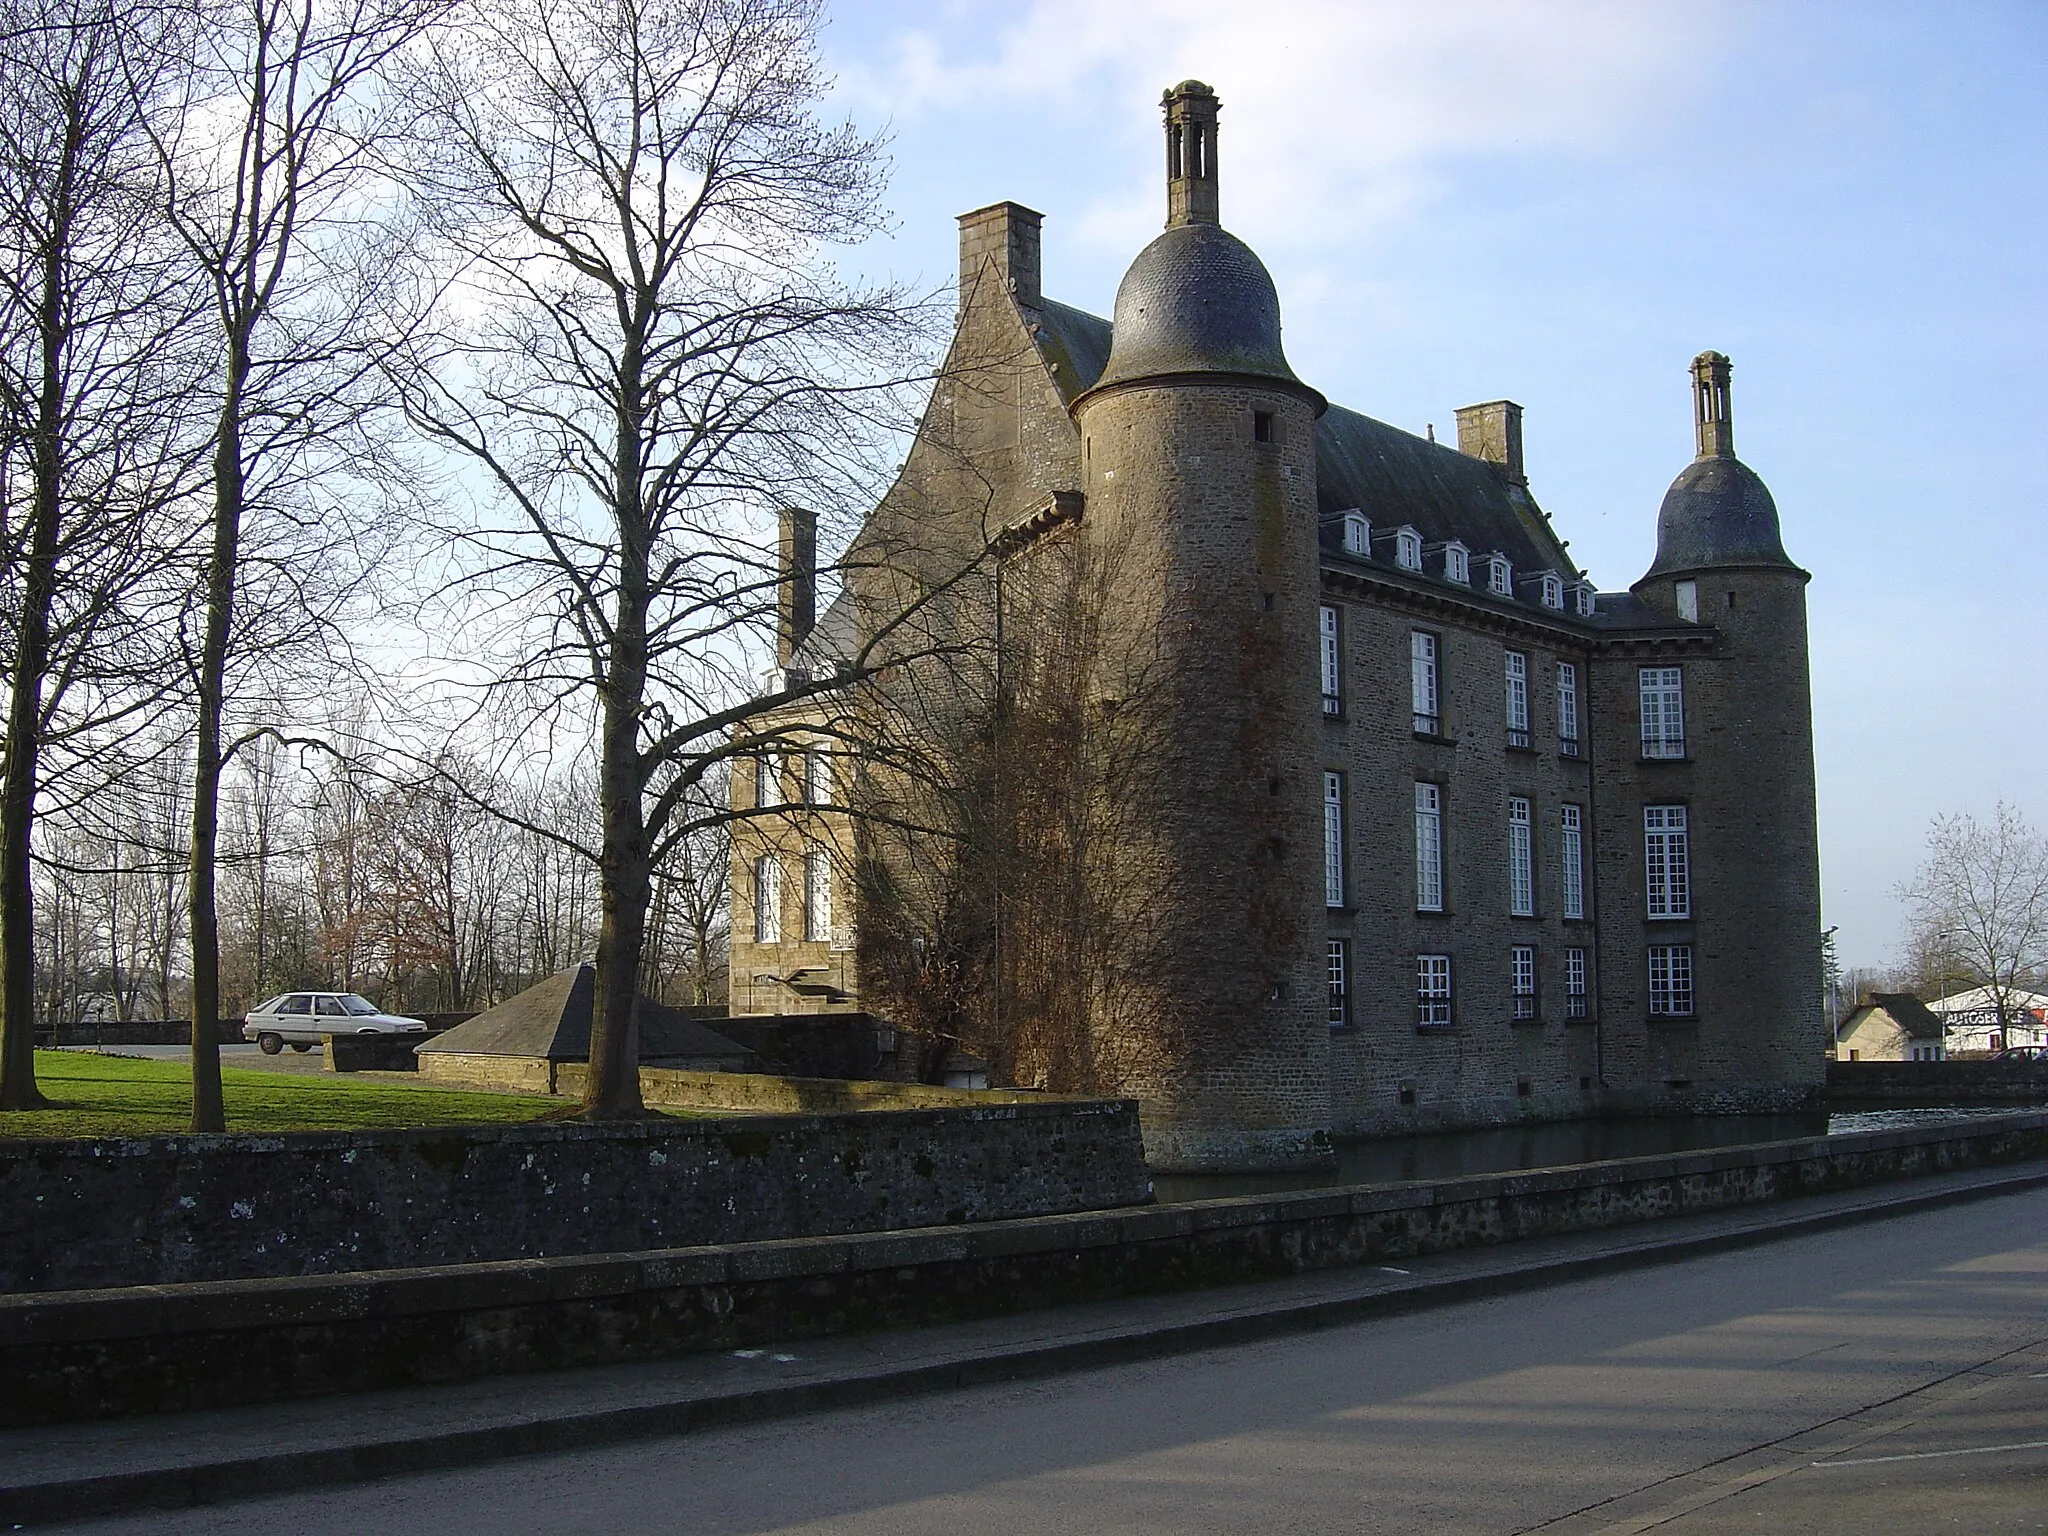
<point x="173" y="1209"/>
<point x="86" y="1355"/>
<point x="1937" y="1082"/>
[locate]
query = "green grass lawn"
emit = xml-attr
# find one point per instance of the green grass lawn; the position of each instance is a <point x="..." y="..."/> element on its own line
<point x="98" y="1095"/>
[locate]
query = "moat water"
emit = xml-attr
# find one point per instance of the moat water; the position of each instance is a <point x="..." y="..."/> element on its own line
<point x="1510" y="1148"/>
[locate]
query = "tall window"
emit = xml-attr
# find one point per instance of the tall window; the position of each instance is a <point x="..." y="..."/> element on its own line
<point x="1357" y="534"/>
<point x="767" y="899"/>
<point x="1429" y="848"/>
<point x="1518" y="699"/>
<point x="1571" y="861"/>
<point x="1340" y="983"/>
<point x="1422" y="680"/>
<point x="1457" y="563"/>
<point x="1333" y="839"/>
<point x="817" y="778"/>
<point x="1521" y="860"/>
<point x="1663" y="703"/>
<point x="1576" y="1005"/>
<point x="818" y="897"/>
<point x="1500" y="576"/>
<point x="1522" y="969"/>
<point x="1568" y="708"/>
<point x="1584" y="600"/>
<point x="1553" y="590"/>
<point x="1433" y="991"/>
<point x="768" y="779"/>
<point x="1671" y="980"/>
<point x="1667" y="874"/>
<point x="1333" y="674"/>
<point x="1408" y="549"/>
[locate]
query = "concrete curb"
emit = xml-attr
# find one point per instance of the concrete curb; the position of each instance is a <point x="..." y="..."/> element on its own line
<point x="236" y="1477"/>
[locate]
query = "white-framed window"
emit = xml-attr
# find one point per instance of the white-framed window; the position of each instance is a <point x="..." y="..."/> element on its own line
<point x="1667" y="874"/>
<point x="1457" y="563"/>
<point x="1357" y="534"/>
<point x="1433" y="991"/>
<point x="1408" y="549"/>
<point x="818" y="897"/>
<point x="1521" y="859"/>
<point x="1577" y="1004"/>
<point x="1661" y="691"/>
<point x="1429" y="848"/>
<point x="1568" y="708"/>
<point x="1333" y="839"/>
<point x="1671" y="980"/>
<point x="1500" y="576"/>
<point x="817" y="777"/>
<point x="1571" y="860"/>
<point x="1522" y="974"/>
<point x="1584" y="594"/>
<point x="1340" y="983"/>
<point x="767" y="899"/>
<point x="1333" y="670"/>
<point x="1688" y="595"/>
<point x="1553" y="590"/>
<point x="1422" y="680"/>
<point x="1518" y="699"/>
<point x="768" y="779"/>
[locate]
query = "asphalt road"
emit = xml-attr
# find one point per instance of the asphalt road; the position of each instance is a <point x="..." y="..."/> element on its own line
<point x="1885" y="1378"/>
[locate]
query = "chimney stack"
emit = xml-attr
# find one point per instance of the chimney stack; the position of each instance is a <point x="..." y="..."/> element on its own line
<point x="796" y="593"/>
<point x="1006" y="234"/>
<point x="1712" y="416"/>
<point x="1191" y="109"/>
<point x="1493" y="432"/>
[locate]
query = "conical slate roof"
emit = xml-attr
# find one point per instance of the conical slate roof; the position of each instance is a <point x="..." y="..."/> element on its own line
<point x="1718" y="512"/>
<point x="550" y="1021"/>
<point x="1197" y="300"/>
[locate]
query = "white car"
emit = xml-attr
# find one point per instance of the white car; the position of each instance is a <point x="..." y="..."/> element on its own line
<point x="301" y="1018"/>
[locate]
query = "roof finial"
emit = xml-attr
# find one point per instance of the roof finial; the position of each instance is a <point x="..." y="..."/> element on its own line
<point x="1710" y="410"/>
<point x="1191" y="109"/>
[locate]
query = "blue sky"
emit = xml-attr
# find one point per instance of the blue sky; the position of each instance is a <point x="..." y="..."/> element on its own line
<point x="1561" y="204"/>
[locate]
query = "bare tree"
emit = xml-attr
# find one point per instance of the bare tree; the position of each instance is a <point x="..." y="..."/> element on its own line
<point x="1980" y="903"/>
<point x="279" y="204"/>
<point x="655" y="356"/>
<point x="89" y="319"/>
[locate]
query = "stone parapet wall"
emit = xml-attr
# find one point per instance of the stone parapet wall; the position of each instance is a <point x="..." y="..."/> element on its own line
<point x="95" y="1354"/>
<point x="164" y="1210"/>
<point x="1934" y="1082"/>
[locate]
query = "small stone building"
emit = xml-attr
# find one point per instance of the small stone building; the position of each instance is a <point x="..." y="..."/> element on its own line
<point x="1296" y="780"/>
<point x="1892" y="1026"/>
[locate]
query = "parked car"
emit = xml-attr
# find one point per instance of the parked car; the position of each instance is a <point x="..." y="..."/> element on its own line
<point x="2022" y="1053"/>
<point x="299" y="1019"/>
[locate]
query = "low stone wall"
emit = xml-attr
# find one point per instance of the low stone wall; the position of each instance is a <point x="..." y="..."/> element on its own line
<point x="1938" y="1082"/>
<point x="136" y="1032"/>
<point x="83" y="1355"/>
<point x="174" y="1209"/>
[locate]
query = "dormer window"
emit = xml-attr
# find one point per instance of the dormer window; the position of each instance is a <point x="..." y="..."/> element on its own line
<point x="1583" y="591"/>
<point x="1500" y="576"/>
<point x="1553" y="590"/>
<point x="1408" y="550"/>
<point x="1457" y="563"/>
<point x="1357" y="534"/>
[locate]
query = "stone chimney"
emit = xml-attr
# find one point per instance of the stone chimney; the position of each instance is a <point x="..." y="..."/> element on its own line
<point x="1191" y="109"/>
<point x="796" y="593"/>
<point x="1006" y="234"/>
<point x="1712" y="417"/>
<point x="1493" y="432"/>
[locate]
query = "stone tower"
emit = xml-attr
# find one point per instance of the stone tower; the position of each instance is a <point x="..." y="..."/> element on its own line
<point x="1199" y="470"/>
<point x="1745" y="777"/>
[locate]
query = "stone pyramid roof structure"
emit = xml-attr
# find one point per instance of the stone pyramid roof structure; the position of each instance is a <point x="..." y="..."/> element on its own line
<point x="550" y="1021"/>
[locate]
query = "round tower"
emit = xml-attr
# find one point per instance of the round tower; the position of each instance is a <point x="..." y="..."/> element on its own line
<point x="1746" y="775"/>
<point x="1200" y="561"/>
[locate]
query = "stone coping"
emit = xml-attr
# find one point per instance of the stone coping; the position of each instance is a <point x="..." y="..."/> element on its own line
<point x="229" y="1306"/>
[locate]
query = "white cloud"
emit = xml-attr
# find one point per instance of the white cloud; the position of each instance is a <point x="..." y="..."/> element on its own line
<point x="1345" y="104"/>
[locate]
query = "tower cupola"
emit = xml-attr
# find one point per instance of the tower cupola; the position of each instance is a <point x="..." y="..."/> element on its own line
<point x="1718" y="512"/>
<point x="1196" y="300"/>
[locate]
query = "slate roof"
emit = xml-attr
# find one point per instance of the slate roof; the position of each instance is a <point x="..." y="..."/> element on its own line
<point x="1718" y="513"/>
<point x="832" y="640"/>
<point x="550" y="1021"/>
<point x="1196" y="300"/>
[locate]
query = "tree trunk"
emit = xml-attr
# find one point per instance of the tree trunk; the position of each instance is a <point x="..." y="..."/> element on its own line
<point x="612" y="1090"/>
<point x="18" y="1088"/>
<point x="208" y="1112"/>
